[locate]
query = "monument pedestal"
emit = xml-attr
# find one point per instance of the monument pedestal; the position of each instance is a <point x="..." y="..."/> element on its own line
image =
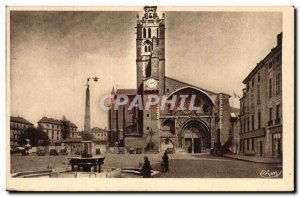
<point x="86" y="149"/>
<point x="87" y="161"/>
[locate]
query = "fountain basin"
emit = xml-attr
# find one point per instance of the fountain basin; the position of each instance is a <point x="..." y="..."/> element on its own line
<point x="87" y="163"/>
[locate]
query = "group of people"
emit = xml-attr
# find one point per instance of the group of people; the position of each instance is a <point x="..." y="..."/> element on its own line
<point x="146" y="169"/>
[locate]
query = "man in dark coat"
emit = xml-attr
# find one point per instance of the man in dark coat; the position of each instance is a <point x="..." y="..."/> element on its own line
<point x="165" y="163"/>
<point x="146" y="169"/>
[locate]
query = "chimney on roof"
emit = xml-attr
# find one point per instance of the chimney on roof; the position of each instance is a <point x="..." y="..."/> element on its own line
<point x="279" y="39"/>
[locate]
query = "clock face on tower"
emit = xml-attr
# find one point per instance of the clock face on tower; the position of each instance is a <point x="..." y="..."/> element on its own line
<point x="151" y="84"/>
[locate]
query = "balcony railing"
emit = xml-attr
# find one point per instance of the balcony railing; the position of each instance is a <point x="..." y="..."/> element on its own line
<point x="252" y="134"/>
<point x="277" y="121"/>
<point x="270" y="123"/>
<point x="181" y="113"/>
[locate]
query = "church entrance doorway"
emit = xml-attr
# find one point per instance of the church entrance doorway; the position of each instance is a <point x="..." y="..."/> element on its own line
<point x="193" y="145"/>
<point x="197" y="145"/>
<point x="195" y="137"/>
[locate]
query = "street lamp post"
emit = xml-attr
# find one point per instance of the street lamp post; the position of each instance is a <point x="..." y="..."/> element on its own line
<point x="86" y="146"/>
<point x="87" y="115"/>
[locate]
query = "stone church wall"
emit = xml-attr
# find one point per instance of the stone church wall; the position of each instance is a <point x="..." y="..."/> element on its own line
<point x="224" y="117"/>
<point x="172" y="85"/>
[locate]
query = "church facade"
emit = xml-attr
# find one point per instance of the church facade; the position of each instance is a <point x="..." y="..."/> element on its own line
<point x="171" y="128"/>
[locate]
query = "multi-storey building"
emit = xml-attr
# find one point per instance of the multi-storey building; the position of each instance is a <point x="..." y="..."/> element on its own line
<point x="17" y="127"/>
<point x="54" y="128"/>
<point x="155" y="129"/>
<point x="260" y="120"/>
<point x="99" y="134"/>
<point x="98" y="141"/>
<point x="234" y="134"/>
<point x="73" y="130"/>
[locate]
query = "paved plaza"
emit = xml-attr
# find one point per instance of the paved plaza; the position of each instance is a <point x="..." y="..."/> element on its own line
<point x="181" y="165"/>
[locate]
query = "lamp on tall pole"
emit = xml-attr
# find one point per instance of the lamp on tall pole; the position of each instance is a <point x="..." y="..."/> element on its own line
<point x="87" y="115"/>
<point x="86" y="146"/>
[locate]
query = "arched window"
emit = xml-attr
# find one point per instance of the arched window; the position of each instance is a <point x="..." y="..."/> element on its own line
<point x="147" y="46"/>
<point x="144" y="33"/>
<point x="149" y="32"/>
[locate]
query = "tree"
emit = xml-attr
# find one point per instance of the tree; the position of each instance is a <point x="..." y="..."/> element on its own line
<point x="66" y="130"/>
<point x="36" y="136"/>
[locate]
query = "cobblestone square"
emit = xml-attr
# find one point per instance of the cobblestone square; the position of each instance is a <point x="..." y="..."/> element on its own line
<point x="181" y="165"/>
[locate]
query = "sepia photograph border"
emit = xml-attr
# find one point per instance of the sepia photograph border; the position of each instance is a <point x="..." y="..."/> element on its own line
<point x="175" y="184"/>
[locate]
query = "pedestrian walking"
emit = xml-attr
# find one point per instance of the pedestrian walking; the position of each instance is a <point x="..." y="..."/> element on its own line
<point x="165" y="162"/>
<point x="146" y="169"/>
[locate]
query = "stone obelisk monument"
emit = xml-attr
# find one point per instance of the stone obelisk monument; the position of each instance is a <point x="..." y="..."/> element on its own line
<point x="87" y="115"/>
<point x="86" y="147"/>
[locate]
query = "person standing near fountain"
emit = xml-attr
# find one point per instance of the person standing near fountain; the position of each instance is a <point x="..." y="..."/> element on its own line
<point x="165" y="163"/>
<point x="146" y="169"/>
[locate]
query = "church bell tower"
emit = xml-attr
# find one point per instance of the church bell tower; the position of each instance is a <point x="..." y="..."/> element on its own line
<point x="150" y="65"/>
<point x="150" y="52"/>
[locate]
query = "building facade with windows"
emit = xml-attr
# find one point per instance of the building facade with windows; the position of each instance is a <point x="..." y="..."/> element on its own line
<point x="73" y="129"/>
<point x="17" y="127"/>
<point x="99" y="134"/>
<point x="156" y="129"/>
<point x="98" y="141"/>
<point x="260" y="120"/>
<point x="54" y="129"/>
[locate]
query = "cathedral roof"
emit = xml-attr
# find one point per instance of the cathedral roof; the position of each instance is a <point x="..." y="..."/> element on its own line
<point x="208" y="91"/>
<point x="126" y="91"/>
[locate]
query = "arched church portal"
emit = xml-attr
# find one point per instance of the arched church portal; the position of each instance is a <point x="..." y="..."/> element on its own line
<point x="194" y="136"/>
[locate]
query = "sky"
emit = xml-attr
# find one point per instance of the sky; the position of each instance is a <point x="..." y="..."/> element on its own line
<point x="53" y="53"/>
